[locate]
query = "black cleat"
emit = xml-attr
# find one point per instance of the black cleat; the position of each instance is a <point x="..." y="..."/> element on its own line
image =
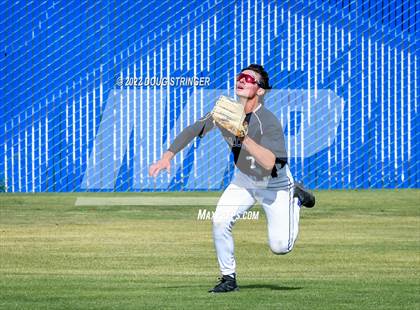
<point x="306" y="198"/>
<point x="226" y="284"/>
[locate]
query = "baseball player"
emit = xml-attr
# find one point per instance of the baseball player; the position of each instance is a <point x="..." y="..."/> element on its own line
<point x="262" y="174"/>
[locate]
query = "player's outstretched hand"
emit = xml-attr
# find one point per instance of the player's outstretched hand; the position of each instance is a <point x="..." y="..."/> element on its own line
<point x="163" y="163"/>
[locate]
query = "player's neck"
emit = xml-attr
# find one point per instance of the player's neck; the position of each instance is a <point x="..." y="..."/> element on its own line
<point x="250" y="104"/>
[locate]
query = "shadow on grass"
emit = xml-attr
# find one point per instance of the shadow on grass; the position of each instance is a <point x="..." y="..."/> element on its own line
<point x="269" y="286"/>
<point x="248" y="287"/>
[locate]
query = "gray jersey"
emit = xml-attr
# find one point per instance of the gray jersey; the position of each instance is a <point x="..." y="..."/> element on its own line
<point x="263" y="127"/>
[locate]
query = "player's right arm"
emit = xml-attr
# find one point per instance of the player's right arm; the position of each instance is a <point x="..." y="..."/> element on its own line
<point x="198" y="129"/>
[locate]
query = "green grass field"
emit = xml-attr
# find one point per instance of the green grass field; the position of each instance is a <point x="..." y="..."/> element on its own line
<point x="356" y="250"/>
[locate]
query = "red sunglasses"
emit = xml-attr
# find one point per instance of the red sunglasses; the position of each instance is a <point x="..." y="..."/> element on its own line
<point x="248" y="78"/>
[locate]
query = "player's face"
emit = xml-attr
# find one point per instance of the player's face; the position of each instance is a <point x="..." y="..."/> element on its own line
<point x="247" y="84"/>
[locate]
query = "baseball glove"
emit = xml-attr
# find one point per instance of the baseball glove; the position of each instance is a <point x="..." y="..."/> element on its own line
<point x="230" y="115"/>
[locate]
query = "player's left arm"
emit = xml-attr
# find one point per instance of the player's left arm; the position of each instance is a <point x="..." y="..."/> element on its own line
<point x="262" y="155"/>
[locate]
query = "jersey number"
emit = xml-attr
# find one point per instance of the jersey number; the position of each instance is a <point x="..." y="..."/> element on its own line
<point x="252" y="159"/>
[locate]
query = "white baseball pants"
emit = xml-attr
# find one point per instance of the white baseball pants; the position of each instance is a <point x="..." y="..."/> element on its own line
<point x="281" y="209"/>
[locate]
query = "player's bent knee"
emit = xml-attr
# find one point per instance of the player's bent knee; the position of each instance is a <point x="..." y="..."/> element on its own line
<point x="281" y="247"/>
<point x="220" y="225"/>
<point x="218" y="222"/>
